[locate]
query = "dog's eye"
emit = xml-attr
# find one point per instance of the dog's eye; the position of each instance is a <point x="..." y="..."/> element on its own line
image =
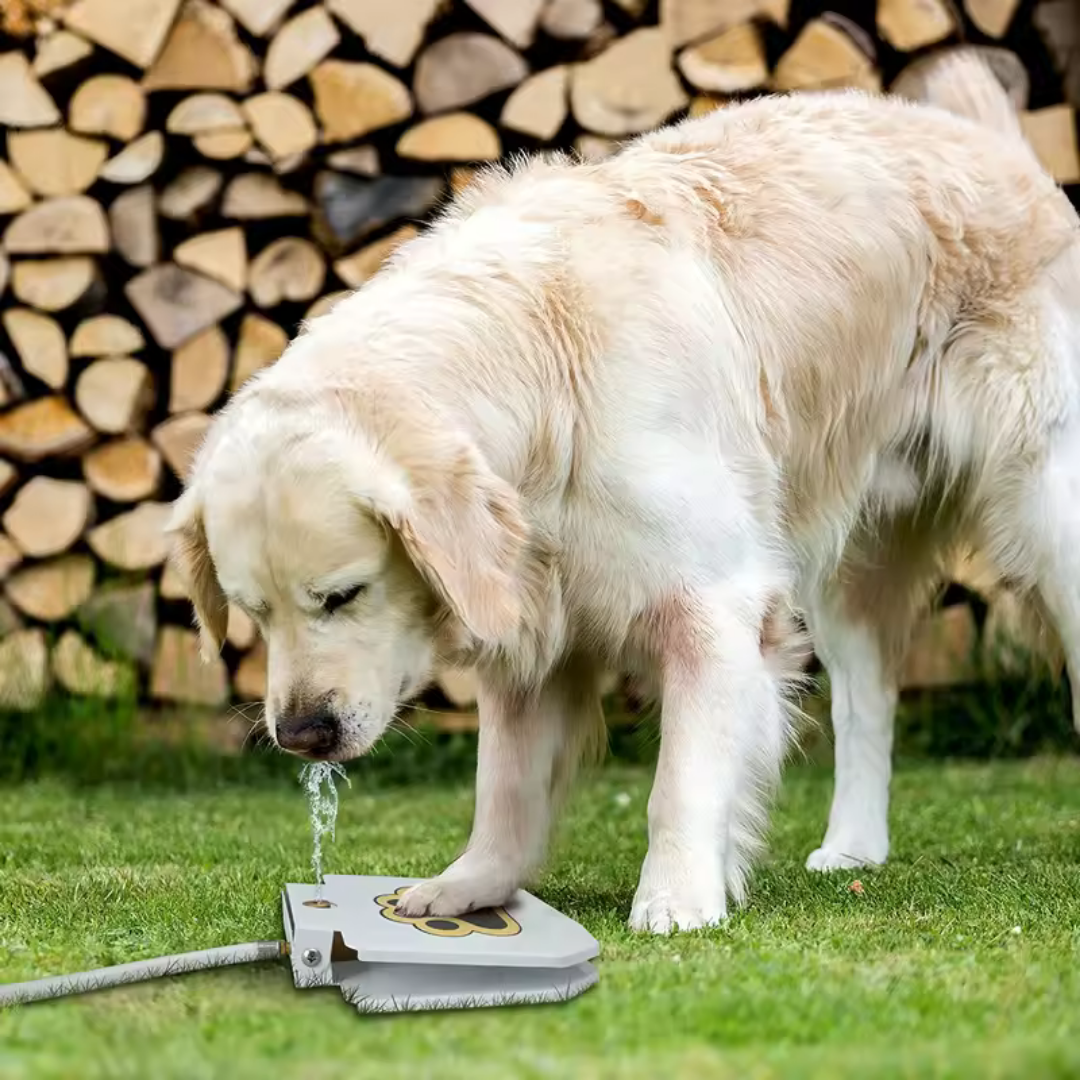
<point x="337" y="600"/>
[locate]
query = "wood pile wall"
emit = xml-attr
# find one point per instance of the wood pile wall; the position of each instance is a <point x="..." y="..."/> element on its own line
<point x="182" y="181"/>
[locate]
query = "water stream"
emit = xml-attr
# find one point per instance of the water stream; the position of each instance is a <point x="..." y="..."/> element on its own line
<point x="318" y="780"/>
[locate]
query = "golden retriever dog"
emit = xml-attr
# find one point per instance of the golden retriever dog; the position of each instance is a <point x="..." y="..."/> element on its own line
<point x="632" y="415"/>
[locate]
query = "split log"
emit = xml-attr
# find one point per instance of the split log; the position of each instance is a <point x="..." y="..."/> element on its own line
<point x="687" y="22"/>
<point x="134" y="30"/>
<point x="912" y="24"/>
<point x="59" y="50"/>
<point x="351" y="208"/>
<point x="178" y="438"/>
<point x="538" y="107"/>
<point x="1058" y="24"/>
<point x="287" y="269"/>
<point x="171" y="586"/>
<point x="70" y="225"/>
<point x="134" y="540"/>
<point x="1014" y="640"/>
<point x="106" y="335"/>
<point x="112" y="105"/>
<point x="241" y="631"/>
<point x="8" y="475"/>
<point x="13" y="196"/>
<point x="199" y="370"/>
<point x="325" y="303"/>
<point x="136" y="161"/>
<point x="363" y="160"/>
<point x="39" y="342"/>
<point x="629" y="87"/>
<point x="124" y="471"/>
<point x="914" y="81"/>
<point x="47" y="516"/>
<point x="203" y="52"/>
<point x="942" y="652"/>
<point x="11" y="386"/>
<point x="54" y="162"/>
<point x="80" y="670"/>
<point x="355" y="269"/>
<point x="24" y="102"/>
<point x="354" y="99"/>
<point x="571" y="19"/>
<point x="391" y="29"/>
<point x="191" y="193"/>
<point x="251" y="196"/>
<point x="221" y="255"/>
<point x="250" y="679"/>
<point x="598" y="41"/>
<point x="451" y="137"/>
<point x="260" y="343"/>
<point x="10" y="557"/>
<point x="115" y="393"/>
<point x="204" y="112"/>
<point x="258" y="17"/>
<point x="459" y="686"/>
<point x="1052" y="134"/>
<point x="5" y="274"/>
<point x="515" y="20"/>
<point x="595" y="147"/>
<point x="53" y="284"/>
<point x="298" y="46"/>
<point x="24" y="667"/>
<point x="824" y="56"/>
<point x="45" y="427"/>
<point x="727" y="64"/>
<point x="992" y="17"/>
<point x="134" y="226"/>
<point x="10" y="619"/>
<point x="176" y="304"/>
<point x="281" y="123"/>
<point x="464" y="68"/>
<point x="224" y="145"/>
<point x="52" y="590"/>
<point x="179" y="672"/>
<point x="702" y="105"/>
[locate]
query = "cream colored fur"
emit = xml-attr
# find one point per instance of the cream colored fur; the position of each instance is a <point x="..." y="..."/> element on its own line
<point x="631" y="415"/>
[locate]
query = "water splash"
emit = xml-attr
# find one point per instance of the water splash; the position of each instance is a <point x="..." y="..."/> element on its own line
<point x="314" y="777"/>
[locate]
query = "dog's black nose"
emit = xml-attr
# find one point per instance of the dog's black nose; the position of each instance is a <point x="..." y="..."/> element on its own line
<point x="315" y="734"/>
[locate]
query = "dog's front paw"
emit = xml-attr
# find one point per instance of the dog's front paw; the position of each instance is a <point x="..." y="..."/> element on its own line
<point x="457" y="891"/>
<point x="664" y="914"/>
<point x="846" y="856"/>
<point x="679" y="894"/>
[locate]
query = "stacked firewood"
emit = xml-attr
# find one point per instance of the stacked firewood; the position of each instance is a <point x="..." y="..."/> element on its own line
<point x="183" y="181"/>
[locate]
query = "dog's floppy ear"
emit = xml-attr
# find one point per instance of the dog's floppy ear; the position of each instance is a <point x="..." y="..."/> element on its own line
<point x="192" y="558"/>
<point x="462" y="526"/>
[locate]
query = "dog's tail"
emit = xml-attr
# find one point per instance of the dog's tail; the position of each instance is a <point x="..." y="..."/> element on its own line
<point x="984" y="84"/>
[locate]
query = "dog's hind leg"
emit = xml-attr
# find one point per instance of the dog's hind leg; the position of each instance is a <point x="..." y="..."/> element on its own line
<point x="1035" y="532"/>
<point x="863" y="709"/>
<point x="1030" y="514"/>
<point x="860" y="626"/>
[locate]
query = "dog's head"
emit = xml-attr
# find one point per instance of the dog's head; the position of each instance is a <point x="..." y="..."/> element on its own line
<point x="359" y="534"/>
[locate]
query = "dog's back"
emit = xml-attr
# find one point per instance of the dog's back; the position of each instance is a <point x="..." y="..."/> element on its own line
<point x="877" y="266"/>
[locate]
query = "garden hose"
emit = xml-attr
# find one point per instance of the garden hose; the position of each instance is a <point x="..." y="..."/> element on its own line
<point x="140" y="970"/>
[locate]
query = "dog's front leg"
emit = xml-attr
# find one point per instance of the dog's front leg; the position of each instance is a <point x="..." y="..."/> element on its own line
<point x="529" y="747"/>
<point x="724" y="727"/>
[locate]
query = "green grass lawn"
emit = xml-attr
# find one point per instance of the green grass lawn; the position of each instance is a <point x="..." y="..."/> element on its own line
<point x="961" y="958"/>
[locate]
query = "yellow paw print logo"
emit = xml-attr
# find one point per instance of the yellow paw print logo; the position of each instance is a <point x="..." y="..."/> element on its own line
<point x="495" y="922"/>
